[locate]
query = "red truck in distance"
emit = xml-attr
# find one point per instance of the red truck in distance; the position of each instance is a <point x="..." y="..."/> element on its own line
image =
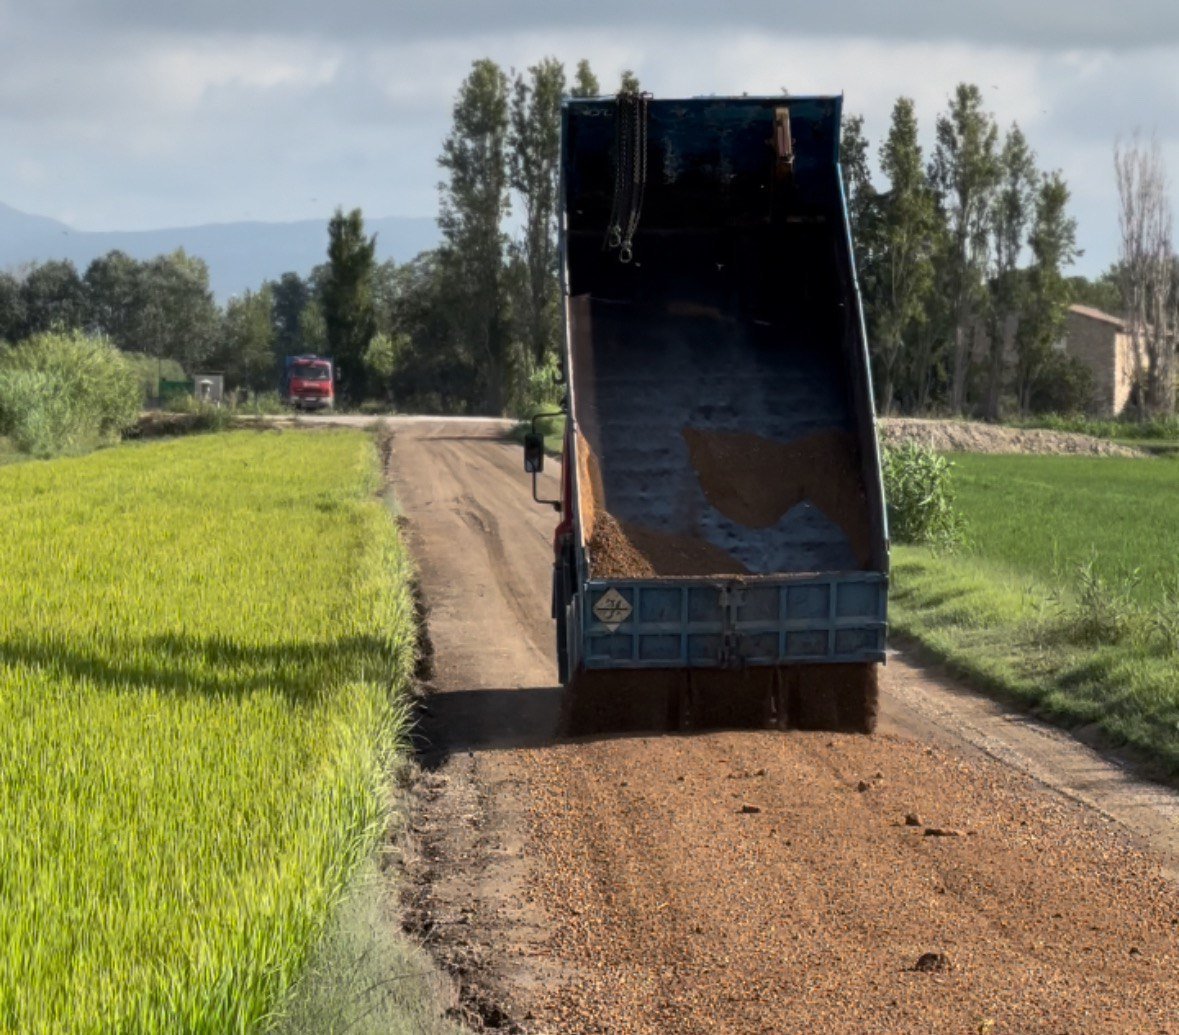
<point x="309" y="382"/>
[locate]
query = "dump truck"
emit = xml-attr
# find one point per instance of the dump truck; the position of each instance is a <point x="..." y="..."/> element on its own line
<point x="308" y="382"/>
<point x="721" y="556"/>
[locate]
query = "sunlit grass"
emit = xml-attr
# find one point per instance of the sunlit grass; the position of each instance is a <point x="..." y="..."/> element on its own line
<point x="1045" y="515"/>
<point x="1066" y="598"/>
<point x="203" y="648"/>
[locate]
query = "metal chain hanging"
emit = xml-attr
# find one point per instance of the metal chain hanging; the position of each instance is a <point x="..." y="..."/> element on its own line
<point x="630" y="173"/>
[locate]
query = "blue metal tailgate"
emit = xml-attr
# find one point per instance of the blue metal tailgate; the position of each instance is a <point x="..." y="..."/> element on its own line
<point x="685" y="623"/>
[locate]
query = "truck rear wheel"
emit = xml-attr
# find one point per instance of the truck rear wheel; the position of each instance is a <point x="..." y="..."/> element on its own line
<point x="562" y="647"/>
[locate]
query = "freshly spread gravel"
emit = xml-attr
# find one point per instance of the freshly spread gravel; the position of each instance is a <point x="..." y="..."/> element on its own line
<point x="757" y="882"/>
<point x="963" y="436"/>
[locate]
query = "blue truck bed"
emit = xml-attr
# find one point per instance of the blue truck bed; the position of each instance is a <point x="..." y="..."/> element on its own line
<point x="726" y="494"/>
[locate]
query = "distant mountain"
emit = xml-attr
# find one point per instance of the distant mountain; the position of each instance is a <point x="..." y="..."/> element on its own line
<point x="240" y="255"/>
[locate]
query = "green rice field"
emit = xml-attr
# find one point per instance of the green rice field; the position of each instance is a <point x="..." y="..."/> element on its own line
<point x="204" y="645"/>
<point x="1067" y="595"/>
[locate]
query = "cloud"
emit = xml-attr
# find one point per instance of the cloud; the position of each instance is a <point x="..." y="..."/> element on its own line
<point x="1050" y="24"/>
<point x="133" y="115"/>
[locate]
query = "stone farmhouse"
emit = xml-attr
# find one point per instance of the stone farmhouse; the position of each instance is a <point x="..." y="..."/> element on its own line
<point x="1102" y="343"/>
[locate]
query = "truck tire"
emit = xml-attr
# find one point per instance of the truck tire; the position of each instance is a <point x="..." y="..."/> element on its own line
<point x="563" y="672"/>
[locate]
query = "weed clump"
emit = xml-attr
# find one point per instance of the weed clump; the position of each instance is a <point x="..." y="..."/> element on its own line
<point x="1100" y="609"/>
<point x="919" y="491"/>
<point x="1107" y="610"/>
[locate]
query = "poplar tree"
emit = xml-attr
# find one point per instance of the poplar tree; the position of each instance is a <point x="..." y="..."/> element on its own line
<point x="473" y="204"/>
<point x="347" y="299"/>
<point x="533" y="164"/>
<point x="862" y="198"/>
<point x="906" y="239"/>
<point x="1053" y="244"/>
<point x="585" y="83"/>
<point x="1147" y="264"/>
<point x="965" y="171"/>
<point x="1010" y="216"/>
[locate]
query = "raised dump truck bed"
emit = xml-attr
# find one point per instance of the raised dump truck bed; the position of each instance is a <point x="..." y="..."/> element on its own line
<point x="723" y="511"/>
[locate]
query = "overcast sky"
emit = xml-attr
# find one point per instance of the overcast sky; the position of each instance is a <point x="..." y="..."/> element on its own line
<point x="133" y="114"/>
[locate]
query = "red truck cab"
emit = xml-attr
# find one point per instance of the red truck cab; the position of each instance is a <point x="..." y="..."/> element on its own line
<point x="309" y="383"/>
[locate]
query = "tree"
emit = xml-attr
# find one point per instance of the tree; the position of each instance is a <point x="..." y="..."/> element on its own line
<point x="289" y="295"/>
<point x="1010" y="215"/>
<point x="246" y="353"/>
<point x="385" y="296"/>
<point x="114" y="295"/>
<point x="906" y="239"/>
<point x="313" y="336"/>
<point x="177" y="317"/>
<point x="53" y="298"/>
<point x="965" y="171"/>
<point x="381" y="359"/>
<point x="533" y="164"/>
<point x="629" y="83"/>
<point x="1053" y="244"/>
<point x="347" y="299"/>
<point x="862" y="196"/>
<point x="12" y="308"/>
<point x="585" y="83"/>
<point x="473" y="204"/>
<point x="1103" y="292"/>
<point x="436" y="373"/>
<point x="1147" y="260"/>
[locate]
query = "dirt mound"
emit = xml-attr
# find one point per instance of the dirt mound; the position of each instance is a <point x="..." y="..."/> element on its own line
<point x="963" y="436"/>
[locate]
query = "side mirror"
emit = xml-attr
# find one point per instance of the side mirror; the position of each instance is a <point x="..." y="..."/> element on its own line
<point x="533" y="453"/>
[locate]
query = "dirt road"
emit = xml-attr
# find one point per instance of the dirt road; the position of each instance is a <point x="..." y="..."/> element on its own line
<point x="965" y="870"/>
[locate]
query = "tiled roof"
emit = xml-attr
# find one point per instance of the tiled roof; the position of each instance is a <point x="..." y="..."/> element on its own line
<point x="1097" y="314"/>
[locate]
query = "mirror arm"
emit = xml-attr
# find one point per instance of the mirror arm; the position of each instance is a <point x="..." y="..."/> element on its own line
<point x="555" y="504"/>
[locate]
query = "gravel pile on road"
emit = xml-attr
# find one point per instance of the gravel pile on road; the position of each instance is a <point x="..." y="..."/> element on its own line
<point x="752" y="882"/>
<point x="962" y="436"/>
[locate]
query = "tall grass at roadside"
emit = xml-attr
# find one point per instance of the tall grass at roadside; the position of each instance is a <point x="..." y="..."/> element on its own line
<point x="919" y="492"/>
<point x="203" y="648"/>
<point x="65" y="392"/>
<point x="1068" y="597"/>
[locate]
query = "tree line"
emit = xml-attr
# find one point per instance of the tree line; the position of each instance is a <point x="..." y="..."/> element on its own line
<point x="962" y="262"/>
<point x="163" y="309"/>
<point x="471" y="326"/>
<point x="957" y="321"/>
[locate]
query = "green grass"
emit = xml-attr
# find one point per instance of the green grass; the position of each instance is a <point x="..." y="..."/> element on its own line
<point x="203" y="648"/>
<point x="1015" y="614"/>
<point x="1044" y="515"/>
<point x="1126" y="429"/>
<point x="552" y="428"/>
